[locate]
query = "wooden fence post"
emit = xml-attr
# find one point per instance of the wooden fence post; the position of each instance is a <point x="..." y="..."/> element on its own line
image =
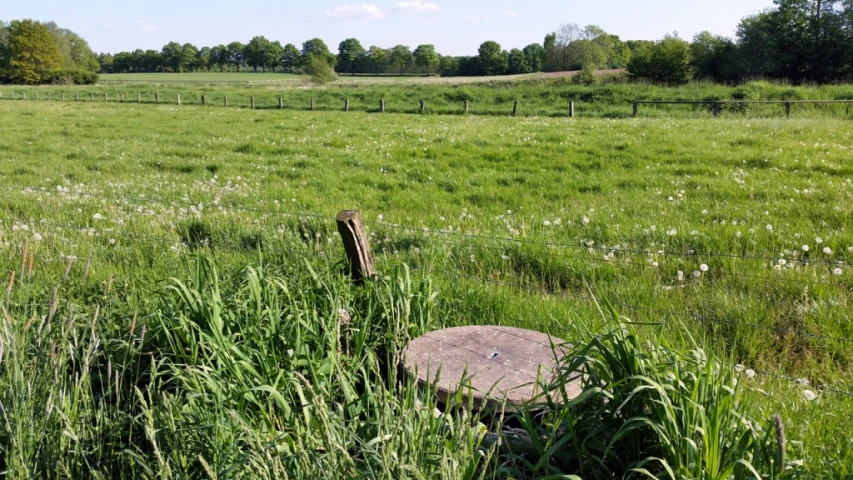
<point x="346" y="105"/>
<point x="203" y="100"/>
<point x="515" y="108"/>
<point x="138" y="98"/>
<point x="48" y="95"/>
<point x="423" y="106"/>
<point x="91" y="97"/>
<point x="571" y="109"/>
<point x="24" y="95"/>
<point x="466" y="107"/>
<point x="122" y="98"/>
<point x="179" y="99"/>
<point x="76" y="96"/>
<point x="226" y="100"/>
<point x="635" y="109"/>
<point x="716" y="109"/>
<point x="280" y="103"/>
<point x="63" y="96"/>
<point x="156" y="97"/>
<point x="382" y="105"/>
<point x="352" y="233"/>
<point x="787" y="109"/>
<point x="37" y="96"/>
<point x="253" y="102"/>
<point x="106" y="98"/>
<point x="312" y="104"/>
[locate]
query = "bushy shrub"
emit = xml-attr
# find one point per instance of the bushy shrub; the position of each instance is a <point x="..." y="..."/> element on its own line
<point x="586" y="76"/>
<point x="72" y="77"/>
<point x="320" y="71"/>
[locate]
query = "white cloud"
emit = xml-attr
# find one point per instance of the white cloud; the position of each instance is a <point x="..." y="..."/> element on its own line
<point x="356" y="13"/>
<point x="416" y="6"/>
<point x="510" y="13"/>
<point x="146" y="27"/>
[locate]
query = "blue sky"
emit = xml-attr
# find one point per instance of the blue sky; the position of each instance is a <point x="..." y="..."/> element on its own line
<point x="455" y="27"/>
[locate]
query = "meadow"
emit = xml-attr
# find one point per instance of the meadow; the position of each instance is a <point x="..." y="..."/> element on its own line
<point x="177" y="306"/>
<point x="536" y="96"/>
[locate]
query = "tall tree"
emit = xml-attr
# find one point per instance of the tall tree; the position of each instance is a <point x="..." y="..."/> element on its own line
<point x="517" y="63"/>
<point x="350" y="55"/>
<point x="31" y="53"/>
<point x="189" y="57"/>
<point x="254" y="52"/>
<point x="427" y="57"/>
<point x="401" y="56"/>
<point x="317" y="48"/>
<point x="219" y="56"/>
<point x="535" y="55"/>
<point x="377" y="59"/>
<point x="666" y="61"/>
<point x="272" y="56"/>
<point x="74" y="50"/>
<point x="290" y="57"/>
<point x="492" y="58"/>
<point x="235" y="54"/>
<point x="203" y="60"/>
<point x="173" y="56"/>
<point x="551" y="61"/>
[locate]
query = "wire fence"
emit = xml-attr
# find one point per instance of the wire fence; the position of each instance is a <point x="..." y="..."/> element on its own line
<point x="467" y="240"/>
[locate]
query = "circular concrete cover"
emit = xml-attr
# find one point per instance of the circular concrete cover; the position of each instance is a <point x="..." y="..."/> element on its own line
<point x="500" y="363"/>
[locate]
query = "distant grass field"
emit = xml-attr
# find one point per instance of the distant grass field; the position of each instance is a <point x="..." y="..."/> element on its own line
<point x="200" y="77"/>
<point x="125" y="355"/>
<point x="536" y="96"/>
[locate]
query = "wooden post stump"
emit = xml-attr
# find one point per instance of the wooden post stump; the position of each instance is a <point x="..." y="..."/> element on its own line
<point x="156" y="97"/>
<point x="571" y="109"/>
<point x="138" y="98"/>
<point x="226" y="100"/>
<point x="635" y="109"/>
<point x="179" y="99"/>
<point x="253" y="102"/>
<point x="787" y="109"/>
<point x="106" y="98"/>
<point x="514" y="108"/>
<point x="423" y="106"/>
<point x="280" y="103"/>
<point x="346" y="105"/>
<point x="466" y="107"/>
<point x="122" y="98"/>
<point x="312" y="104"/>
<point x="351" y="228"/>
<point x="203" y="100"/>
<point x="382" y="106"/>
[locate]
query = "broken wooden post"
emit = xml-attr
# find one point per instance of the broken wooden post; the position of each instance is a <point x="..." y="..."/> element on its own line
<point x="351" y="228"/>
<point x="514" y="108"/>
<point x="571" y="109"/>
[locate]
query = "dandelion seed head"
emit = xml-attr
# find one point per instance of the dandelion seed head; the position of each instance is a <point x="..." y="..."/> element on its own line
<point x="703" y="267"/>
<point x="805" y="248"/>
<point x="809" y="395"/>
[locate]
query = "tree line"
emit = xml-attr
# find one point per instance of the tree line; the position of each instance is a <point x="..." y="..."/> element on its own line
<point x="33" y="52"/>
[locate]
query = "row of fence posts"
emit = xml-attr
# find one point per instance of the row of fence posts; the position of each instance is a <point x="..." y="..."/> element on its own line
<point x="466" y="105"/>
<point x="716" y="107"/>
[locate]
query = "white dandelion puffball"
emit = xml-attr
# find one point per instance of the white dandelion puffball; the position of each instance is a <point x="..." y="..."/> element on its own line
<point x="750" y="373"/>
<point x="585" y="221"/>
<point x="837" y="271"/>
<point x="827" y="250"/>
<point x="697" y="274"/>
<point x="818" y="240"/>
<point x="809" y="395"/>
<point x="703" y="267"/>
<point x="97" y="216"/>
<point x="547" y="223"/>
<point x="805" y="248"/>
<point x="37" y="237"/>
<point x="769" y="227"/>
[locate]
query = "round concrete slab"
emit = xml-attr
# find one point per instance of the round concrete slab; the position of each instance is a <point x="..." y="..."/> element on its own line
<point x="500" y="363"/>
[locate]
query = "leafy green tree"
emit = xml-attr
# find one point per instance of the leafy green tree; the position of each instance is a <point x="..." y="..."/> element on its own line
<point x="254" y="52"/>
<point x="235" y="54"/>
<point x="316" y="48"/>
<point x="189" y="57"/>
<point x="586" y="76"/>
<point x="426" y="57"/>
<point x="273" y="54"/>
<point x="401" y="56"/>
<point x="203" y="61"/>
<point x="666" y="62"/>
<point x="713" y="57"/>
<point x="492" y="58"/>
<point x="350" y="55"/>
<point x="219" y="56"/>
<point x="551" y="62"/>
<point x="75" y="51"/>
<point x="535" y="56"/>
<point x="517" y="63"/>
<point x="581" y="53"/>
<point x="377" y="59"/>
<point x="105" y="60"/>
<point x="448" y="66"/>
<point x="173" y="56"/>
<point x="290" y="57"/>
<point x="31" y="53"/>
<point x="152" y="61"/>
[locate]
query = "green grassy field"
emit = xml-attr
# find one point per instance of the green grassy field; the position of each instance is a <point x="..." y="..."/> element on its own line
<point x="535" y="97"/>
<point x="124" y="354"/>
<point x="197" y="77"/>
